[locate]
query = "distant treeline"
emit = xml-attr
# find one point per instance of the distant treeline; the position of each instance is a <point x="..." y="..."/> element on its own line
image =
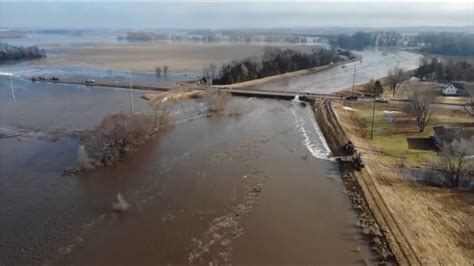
<point x="213" y="37"/>
<point x="276" y="61"/>
<point x="434" y="69"/>
<point x="458" y="44"/>
<point x="361" y="40"/>
<point x="10" y="52"/>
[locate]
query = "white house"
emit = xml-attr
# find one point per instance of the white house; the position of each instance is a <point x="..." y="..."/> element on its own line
<point x="451" y="89"/>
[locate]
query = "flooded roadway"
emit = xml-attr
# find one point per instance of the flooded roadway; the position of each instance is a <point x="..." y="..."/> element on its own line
<point x="255" y="187"/>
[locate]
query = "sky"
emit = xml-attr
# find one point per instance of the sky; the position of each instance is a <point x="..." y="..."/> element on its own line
<point x="224" y="14"/>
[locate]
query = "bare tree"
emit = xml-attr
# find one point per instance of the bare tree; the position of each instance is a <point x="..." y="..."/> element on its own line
<point x="212" y="70"/>
<point x="165" y="70"/>
<point x="470" y="107"/>
<point x="205" y="74"/>
<point x="458" y="157"/>
<point x="396" y="77"/>
<point x="115" y="136"/>
<point x="420" y="106"/>
<point x="217" y="100"/>
<point x="161" y="114"/>
<point x="158" y="71"/>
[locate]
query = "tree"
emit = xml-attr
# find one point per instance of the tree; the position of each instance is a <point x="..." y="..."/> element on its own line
<point x="158" y="71"/>
<point x="161" y="114"/>
<point x="396" y="77"/>
<point x="423" y="69"/>
<point x="165" y="70"/>
<point x="458" y="160"/>
<point x="212" y="71"/>
<point x="420" y="106"/>
<point x="217" y="100"/>
<point x="373" y="87"/>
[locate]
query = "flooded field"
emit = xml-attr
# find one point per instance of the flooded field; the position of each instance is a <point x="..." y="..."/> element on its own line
<point x="241" y="186"/>
<point x="209" y="189"/>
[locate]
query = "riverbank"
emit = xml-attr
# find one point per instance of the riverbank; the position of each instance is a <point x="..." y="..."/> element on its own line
<point x="423" y="224"/>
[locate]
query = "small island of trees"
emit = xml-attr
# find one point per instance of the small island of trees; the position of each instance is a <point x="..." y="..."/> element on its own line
<point x="10" y="52"/>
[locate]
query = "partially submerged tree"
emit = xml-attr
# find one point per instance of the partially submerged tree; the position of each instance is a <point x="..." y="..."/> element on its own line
<point x="158" y="71"/>
<point x="396" y="77"/>
<point x="165" y="70"/>
<point x="115" y="136"/>
<point x="217" y="100"/>
<point x="458" y="161"/>
<point x="160" y="113"/>
<point x="420" y="106"/>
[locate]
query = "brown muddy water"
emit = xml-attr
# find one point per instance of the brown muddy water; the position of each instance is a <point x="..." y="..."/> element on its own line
<point x="251" y="188"/>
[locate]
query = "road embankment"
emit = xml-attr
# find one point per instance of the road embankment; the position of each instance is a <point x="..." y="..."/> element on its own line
<point x="259" y="82"/>
<point x="375" y="220"/>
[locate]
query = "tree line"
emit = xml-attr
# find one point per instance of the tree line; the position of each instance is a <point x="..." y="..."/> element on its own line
<point x="448" y="43"/>
<point x="274" y="61"/>
<point x="10" y="52"/>
<point x="435" y="69"/>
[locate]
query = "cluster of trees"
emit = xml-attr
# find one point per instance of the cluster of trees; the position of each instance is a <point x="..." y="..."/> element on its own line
<point x="361" y="40"/>
<point x="434" y="69"/>
<point x="357" y="41"/>
<point x="10" y="52"/>
<point x="120" y="133"/>
<point x="158" y="70"/>
<point x="373" y="88"/>
<point x="115" y="136"/>
<point x="448" y="43"/>
<point x="274" y="61"/>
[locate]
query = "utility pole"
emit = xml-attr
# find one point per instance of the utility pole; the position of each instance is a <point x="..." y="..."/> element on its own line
<point x="131" y="93"/>
<point x="354" y="79"/>
<point x="11" y="86"/>
<point x="373" y="111"/>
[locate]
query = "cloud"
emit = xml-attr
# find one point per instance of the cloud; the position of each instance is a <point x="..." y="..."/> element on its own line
<point x="136" y="14"/>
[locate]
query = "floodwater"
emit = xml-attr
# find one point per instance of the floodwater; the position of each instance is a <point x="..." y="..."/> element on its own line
<point x="255" y="187"/>
<point x="252" y="185"/>
<point x="376" y="62"/>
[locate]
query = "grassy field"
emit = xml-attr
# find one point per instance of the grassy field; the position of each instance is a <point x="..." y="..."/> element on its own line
<point x="396" y="134"/>
<point x="436" y="221"/>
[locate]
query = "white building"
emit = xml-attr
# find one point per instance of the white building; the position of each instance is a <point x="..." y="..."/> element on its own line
<point x="451" y="89"/>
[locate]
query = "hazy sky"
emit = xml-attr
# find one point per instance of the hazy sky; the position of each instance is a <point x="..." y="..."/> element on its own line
<point x="249" y="14"/>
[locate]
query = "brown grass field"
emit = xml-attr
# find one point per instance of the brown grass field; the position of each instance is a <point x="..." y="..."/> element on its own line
<point x="436" y="222"/>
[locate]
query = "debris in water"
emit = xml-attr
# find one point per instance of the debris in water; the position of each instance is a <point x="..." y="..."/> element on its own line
<point x="120" y="205"/>
<point x="83" y="157"/>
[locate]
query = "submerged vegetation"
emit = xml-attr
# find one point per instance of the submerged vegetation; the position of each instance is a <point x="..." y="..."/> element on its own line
<point x="120" y="133"/>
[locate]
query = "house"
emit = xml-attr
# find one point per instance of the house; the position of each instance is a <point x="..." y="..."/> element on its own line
<point x="445" y="136"/>
<point x="451" y="88"/>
